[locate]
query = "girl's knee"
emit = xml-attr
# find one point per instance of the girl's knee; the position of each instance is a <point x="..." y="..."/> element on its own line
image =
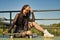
<point x="23" y="34"/>
<point x="29" y="33"/>
<point x="30" y="24"/>
<point x="34" y="23"/>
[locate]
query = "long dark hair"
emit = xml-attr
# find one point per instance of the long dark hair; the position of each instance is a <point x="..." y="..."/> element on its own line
<point x="28" y="14"/>
<point x="22" y="17"/>
<point x="25" y="21"/>
<point x="24" y="8"/>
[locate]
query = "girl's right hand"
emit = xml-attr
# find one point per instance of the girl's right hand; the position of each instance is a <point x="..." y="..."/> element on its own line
<point x="5" y="32"/>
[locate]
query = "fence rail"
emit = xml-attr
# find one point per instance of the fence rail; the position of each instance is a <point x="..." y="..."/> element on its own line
<point x="33" y="11"/>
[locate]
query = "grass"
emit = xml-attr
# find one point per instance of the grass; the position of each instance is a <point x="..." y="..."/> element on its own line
<point x="56" y="32"/>
<point x="1" y="30"/>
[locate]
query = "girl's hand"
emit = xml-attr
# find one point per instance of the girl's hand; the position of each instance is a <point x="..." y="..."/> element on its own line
<point x="5" y="32"/>
<point x="31" y="10"/>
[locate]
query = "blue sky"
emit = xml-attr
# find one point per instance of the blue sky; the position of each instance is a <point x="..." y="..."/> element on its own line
<point x="35" y="5"/>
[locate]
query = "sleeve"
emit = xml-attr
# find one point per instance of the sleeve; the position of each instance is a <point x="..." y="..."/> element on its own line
<point x="14" y="21"/>
<point x="32" y="17"/>
<point x="9" y="30"/>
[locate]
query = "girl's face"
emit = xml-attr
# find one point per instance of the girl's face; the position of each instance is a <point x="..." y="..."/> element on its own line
<point x="26" y="10"/>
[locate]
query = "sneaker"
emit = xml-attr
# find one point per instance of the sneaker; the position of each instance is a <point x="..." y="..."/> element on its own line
<point x="11" y="36"/>
<point x="47" y="34"/>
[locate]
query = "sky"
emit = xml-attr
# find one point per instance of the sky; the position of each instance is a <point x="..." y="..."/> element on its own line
<point x="9" y="5"/>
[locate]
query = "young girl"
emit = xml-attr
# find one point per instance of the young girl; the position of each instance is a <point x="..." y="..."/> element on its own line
<point x="24" y="21"/>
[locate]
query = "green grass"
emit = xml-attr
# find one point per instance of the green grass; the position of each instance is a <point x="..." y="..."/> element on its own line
<point x="56" y="32"/>
<point x="1" y="30"/>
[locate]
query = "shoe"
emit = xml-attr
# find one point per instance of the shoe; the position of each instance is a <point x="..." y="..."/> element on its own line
<point x="11" y="36"/>
<point x="47" y="34"/>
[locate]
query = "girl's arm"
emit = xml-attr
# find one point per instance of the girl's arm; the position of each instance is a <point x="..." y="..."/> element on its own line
<point x="14" y="22"/>
<point x="33" y="17"/>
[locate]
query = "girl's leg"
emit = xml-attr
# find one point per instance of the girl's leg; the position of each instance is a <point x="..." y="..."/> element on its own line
<point x="38" y="27"/>
<point x="29" y="34"/>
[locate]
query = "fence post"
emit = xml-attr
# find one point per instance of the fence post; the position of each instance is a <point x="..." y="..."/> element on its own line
<point x="10" y="18"/>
